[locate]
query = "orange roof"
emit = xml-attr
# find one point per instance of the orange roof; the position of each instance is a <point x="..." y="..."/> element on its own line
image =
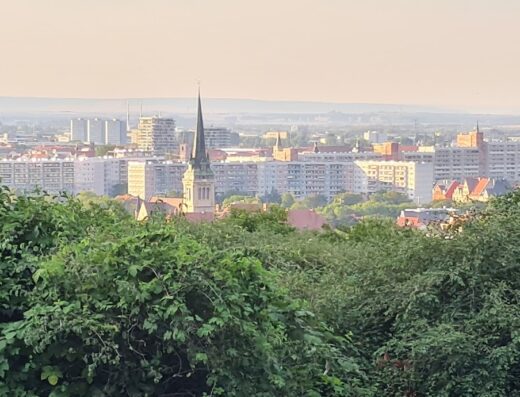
<point x="480" y="187"/>
<point x="173" y="201"/>
<point x="124" y="197"/>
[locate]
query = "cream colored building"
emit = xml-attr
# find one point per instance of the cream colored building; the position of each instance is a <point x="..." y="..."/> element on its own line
<point x="156" y="134"/>
<point x="408" y="177"/>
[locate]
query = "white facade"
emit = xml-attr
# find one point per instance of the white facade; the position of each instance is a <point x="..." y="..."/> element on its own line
<point x="458" y="163"/>
<point x="78" y="130"/>
<point x="115" y="132"/>
<point x="102" y="176"/>
<point x="375" y="137"/>
<point x="217" y="137"/>
<point x="96" y="131"/>
<point x="89" y="176"/>
<point x="52" y="176"/>
<point x="503" y="160"/>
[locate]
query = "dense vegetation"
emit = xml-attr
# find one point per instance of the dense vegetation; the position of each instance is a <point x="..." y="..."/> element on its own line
<point x="93" y="303"/>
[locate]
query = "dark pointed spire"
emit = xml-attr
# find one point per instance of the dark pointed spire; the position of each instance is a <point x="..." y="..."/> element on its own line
<point x="199" y="155"/>
<point x="478" y="130"/>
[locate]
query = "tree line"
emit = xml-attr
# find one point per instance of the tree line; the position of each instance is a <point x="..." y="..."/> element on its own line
<point x="94" y="303"/>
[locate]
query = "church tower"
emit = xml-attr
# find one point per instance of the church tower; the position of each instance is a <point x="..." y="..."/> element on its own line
<point x="198" y="181"/>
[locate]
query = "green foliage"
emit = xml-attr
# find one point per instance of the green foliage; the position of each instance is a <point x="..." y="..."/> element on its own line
<point x="96" y="304"/>
<point x="287" y="200"/>
<point x="273" y="197"/>
<point x="106" y="306"/>
<point x="240" y="199"/>
<point x="312" y="201"/>
<point x="348" y="208"/>
<point x="102" y="150"/>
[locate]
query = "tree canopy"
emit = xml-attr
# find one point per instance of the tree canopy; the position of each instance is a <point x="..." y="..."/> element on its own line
<point x="93" y="303"/>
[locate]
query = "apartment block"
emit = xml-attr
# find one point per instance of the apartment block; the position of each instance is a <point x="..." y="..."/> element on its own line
<point x="52" y="176"/>
<point x="96" y="131"/>
<point x="147" y="178"/>
<point x="217" y="137"/>
<point x="78" y="130"/>
<point x="115" y="132"/>
<point x="407" y="177"/>
<point x="156" y="134"/>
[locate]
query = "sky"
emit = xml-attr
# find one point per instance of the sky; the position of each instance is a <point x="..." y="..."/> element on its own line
<point x="462" y="54"/>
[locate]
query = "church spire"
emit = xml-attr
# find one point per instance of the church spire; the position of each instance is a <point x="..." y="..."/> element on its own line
<point x="199" y="155"/>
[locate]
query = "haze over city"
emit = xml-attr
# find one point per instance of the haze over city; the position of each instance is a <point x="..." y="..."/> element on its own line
<point x="460" y="54"/>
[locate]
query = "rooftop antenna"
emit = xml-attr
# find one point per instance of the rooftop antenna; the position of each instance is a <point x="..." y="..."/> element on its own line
<point x="141" y="110"/>
<point x="127" y="115"/>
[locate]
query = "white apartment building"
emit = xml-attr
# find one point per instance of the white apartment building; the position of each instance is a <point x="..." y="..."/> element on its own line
<point x="78" y="130"/>
<point x="102" y="176"/>
<point x="52" y="176"/>
<point x="96" y="131"/>
<point x="217" y="137"/>
<point x="89" y="176"/>
<point x="156" y="134"/>
<point x="503" y="160"/>
<point x="236" y="177"/>
<point x="375" y="137"/>
<point x="115" y="132"/>
<point x="458" y="163"/>
<point x="322" y="156"/>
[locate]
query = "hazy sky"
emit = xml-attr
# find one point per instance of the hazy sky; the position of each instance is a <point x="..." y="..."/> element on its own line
<point x="463" y="53"/>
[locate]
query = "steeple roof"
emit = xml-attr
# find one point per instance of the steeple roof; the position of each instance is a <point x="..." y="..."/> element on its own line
<point x="199" y="155"/>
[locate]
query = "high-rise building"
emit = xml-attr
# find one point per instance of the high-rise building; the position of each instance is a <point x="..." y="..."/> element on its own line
<point x="217" y="137"/>
<point x="96" y="131"/>
<point x="199" y="180"/>
<point x="156" y="134"/>
<point x="78" y="130"/>
<point x="115" y="132"/>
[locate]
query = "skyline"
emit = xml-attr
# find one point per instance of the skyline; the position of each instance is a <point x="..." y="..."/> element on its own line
<point x="457" y="54"/>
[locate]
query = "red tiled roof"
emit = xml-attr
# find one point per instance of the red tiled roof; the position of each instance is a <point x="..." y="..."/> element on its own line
<point x="451" y="189"/>
<point x="408" y="148"/>
<point x="305" y="219"/>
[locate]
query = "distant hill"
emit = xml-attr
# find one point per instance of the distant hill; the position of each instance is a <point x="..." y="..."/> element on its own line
<point x="25" y="105"/>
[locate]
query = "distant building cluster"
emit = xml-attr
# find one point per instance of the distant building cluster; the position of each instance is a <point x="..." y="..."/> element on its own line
<point x="98" y="131"/>
<point x="157" y="160"/>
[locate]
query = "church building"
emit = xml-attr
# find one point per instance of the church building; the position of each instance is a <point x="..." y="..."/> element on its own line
<point x="199" y="181"/>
